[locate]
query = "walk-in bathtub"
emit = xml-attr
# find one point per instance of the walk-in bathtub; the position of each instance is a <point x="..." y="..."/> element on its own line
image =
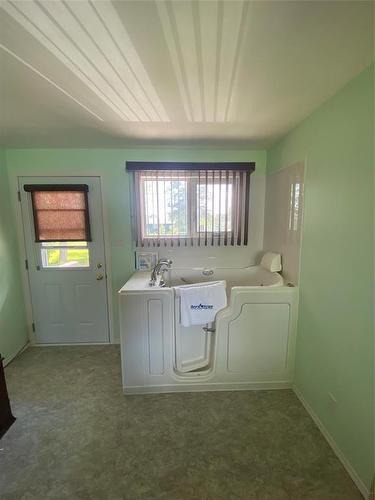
<point x="249" y="346"/>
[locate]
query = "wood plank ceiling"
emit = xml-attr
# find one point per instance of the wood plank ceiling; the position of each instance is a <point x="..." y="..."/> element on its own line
<point x="204" y="72"/>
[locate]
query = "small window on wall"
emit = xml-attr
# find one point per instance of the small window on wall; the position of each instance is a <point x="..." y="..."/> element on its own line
<point x="65" y="255"/>
<point x="61" y="224"/>
<point x="191" y="204"/>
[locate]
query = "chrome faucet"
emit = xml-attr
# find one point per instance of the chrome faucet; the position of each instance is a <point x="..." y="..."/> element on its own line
<point x="157" y="271"/>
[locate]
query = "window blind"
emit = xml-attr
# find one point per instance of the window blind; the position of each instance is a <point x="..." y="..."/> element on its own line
<point x="189" y="204"/>
<point x="60" y="212"/>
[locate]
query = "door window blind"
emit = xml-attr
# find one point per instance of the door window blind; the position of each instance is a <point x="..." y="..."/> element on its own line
<point x="60" y="212"/>
<point x="190" y="204"/>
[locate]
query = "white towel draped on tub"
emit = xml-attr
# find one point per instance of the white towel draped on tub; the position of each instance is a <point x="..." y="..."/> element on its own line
<point x="200" y="302"/>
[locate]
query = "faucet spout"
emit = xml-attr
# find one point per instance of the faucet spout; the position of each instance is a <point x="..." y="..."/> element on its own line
<point x="158" y="269"/>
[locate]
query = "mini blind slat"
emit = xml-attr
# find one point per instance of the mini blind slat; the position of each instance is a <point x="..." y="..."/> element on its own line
<point x="157" y="208"/>
<point x="232" y="215"/>
<point x="171" y="213"/>
<point x="234" y="211"/>
<point x="165" y="208"/>
<point x="239" y="208"/>
<point x="246" y="208"/>
<point x="150" y="213"/>
<point x="137" y="209"/>
<point x="178" y="207"/>
<point x="243" y="209"/>
<point x="144" y="209"/>
<point x="194" y="207"/>
<point x="213" y="209"/>
<point x="149" y="209"/>
<point x="219" y="236"/>
<point x="226" y="208"/>
<point x="198" y="198"/>
<point x="138" y="215"/>
<point x="192" y="215"/>
<point x="205" y="210"/>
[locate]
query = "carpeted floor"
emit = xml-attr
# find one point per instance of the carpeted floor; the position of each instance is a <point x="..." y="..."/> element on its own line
<point x="78" y="437"/>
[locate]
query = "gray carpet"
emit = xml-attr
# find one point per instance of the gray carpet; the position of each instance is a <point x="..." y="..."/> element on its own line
<point x="78" y="437"/>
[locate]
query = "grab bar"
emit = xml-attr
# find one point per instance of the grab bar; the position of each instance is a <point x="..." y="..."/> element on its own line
<point x="206" y="329"/>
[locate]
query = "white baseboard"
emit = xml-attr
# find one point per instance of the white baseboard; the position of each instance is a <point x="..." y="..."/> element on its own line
<point x="340" y="455"/>
<point x="10" y="358"/>
<point x="72" y="344"/>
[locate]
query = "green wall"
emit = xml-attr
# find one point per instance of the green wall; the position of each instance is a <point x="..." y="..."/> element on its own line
<point x="13" y="326"/>
<point x="110" y="164"/>
<point x="335" y="337"/>
<point x="335" y="344"/>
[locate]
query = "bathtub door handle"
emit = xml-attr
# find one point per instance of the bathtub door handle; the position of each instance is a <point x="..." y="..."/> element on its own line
<point x="208" y="330"/>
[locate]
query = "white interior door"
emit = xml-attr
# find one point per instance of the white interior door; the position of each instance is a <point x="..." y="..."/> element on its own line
<point x="67" y="279"/>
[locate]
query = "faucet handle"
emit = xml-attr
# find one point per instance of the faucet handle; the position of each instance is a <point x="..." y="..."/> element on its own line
<point x="163" y="260"/>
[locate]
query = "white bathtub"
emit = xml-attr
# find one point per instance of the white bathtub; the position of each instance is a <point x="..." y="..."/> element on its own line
<point x="248" y="276"/>
<point x="251" y="347"/>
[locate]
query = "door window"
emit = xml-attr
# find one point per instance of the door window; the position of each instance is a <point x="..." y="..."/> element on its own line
<point x="70" y="254"/>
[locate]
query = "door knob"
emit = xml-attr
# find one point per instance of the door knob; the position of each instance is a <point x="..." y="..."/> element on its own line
<point x="99" y="277"/>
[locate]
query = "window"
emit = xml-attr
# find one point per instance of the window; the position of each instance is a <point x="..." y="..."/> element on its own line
<point x="214" y="207"/>
<point x="294" y="209"/>
<point x="164" y="205"/>
<point x="70" y="254"/>
<point x="61" y="224"/>
<point x="60" y="212"/>
<point x="206" y="204"/>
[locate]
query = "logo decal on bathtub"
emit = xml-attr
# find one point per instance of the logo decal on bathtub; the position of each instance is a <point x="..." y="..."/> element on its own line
<point x="201" y="306"/>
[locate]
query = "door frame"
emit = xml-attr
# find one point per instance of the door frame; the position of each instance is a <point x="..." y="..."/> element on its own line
<point x="14" y="177"/>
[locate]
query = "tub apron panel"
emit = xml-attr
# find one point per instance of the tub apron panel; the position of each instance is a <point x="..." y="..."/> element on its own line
<point x="252" y="346"/>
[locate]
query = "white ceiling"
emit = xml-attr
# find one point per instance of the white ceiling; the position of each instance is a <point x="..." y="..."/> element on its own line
<point x="232" y="73"/>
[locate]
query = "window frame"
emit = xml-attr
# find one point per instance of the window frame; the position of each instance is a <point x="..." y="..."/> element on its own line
<point x="195" y="233"/>
<point x="237" y="172"/>
<point x="142" y="215"/>
<point x="192" y="203"/>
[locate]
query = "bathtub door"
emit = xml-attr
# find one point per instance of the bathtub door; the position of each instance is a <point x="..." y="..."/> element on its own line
<point x="192" y="345"/>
